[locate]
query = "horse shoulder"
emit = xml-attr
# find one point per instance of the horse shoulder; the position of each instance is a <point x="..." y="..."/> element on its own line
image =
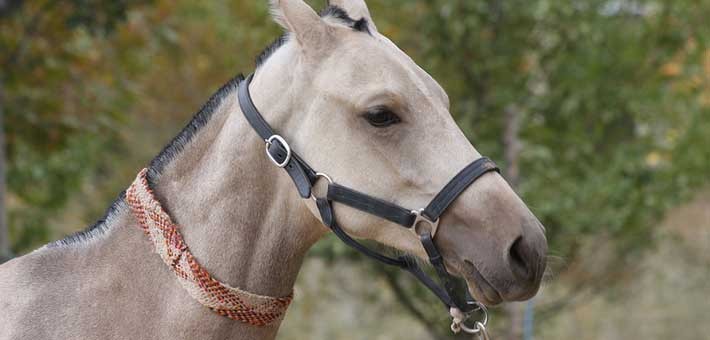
<point x="23" y="313"/>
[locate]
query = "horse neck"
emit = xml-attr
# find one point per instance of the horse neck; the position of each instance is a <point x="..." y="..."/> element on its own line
<point x="238" y="213"/>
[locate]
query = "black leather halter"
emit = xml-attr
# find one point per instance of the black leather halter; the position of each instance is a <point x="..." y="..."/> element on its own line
<point x="304" y="177"/>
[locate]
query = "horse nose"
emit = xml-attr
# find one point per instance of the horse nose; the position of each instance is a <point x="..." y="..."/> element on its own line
<point x="526" y="255"/>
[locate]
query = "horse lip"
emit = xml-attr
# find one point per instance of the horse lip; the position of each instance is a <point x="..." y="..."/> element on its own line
<point x="480" y="287"/>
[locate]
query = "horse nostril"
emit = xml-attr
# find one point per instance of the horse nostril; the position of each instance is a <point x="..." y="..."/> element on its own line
<point x="518" y="255"/>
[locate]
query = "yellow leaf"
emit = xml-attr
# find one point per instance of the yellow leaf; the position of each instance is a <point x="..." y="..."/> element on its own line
<point x="653" y="159"/>
<point x="671" y="69"/>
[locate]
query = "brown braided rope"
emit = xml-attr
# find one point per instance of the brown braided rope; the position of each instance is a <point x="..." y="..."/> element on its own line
<point x="223" y="299"/>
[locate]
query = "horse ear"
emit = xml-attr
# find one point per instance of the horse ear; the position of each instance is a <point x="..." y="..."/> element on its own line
<point x="299" y="18"/>
<point x="356" y="9"/>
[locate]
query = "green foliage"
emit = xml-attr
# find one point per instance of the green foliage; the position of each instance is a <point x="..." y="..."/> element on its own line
<point x="61" y="106"/>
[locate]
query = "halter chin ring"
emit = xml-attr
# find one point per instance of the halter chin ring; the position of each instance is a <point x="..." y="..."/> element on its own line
<point x="458" y="323"/>
<point x="283" y="142"/>
<point x="421" y="218"/>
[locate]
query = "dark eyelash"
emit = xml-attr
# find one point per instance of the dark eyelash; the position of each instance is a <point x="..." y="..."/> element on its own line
<point x="381" y="117"/>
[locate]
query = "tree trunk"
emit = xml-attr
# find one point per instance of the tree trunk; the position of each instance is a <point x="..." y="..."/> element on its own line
<point x="512" y="145"/>
<point x="515" y="311"/>
<point x="5" y="253"/>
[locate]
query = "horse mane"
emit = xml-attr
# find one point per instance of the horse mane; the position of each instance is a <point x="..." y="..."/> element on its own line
<point x="98" y="228"/>
<point x="175" y="147"/>
<point x="165" y="157"/>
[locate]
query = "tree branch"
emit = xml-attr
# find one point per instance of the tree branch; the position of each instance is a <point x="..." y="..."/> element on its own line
<point x="398" y="290"/>
<point x="5" y="252"/>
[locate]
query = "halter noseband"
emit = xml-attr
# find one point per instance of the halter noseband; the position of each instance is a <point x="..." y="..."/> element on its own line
<point x="304" y="177"/>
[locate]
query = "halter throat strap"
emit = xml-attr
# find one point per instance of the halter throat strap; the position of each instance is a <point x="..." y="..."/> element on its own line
<point x="304" y="177"/>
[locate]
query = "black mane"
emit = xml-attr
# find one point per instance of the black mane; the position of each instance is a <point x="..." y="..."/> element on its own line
<point x="175" y="147"/>
<point x="97" y="228"/>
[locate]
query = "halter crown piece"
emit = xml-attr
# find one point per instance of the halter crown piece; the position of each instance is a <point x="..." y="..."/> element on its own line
<point x="304" y="177"/>
<point x="224" y="300"/>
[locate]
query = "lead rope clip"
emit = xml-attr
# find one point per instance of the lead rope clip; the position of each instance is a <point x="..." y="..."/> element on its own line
<point x="459" y="318"/>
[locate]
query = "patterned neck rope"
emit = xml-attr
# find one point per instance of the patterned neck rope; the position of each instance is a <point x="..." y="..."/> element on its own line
<point x="224" y="300"/>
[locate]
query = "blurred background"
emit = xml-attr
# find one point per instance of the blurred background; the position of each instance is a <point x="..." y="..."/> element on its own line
<point x="598" y="110"/>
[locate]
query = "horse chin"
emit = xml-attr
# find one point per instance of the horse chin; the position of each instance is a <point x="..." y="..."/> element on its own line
<point x="479" y="287"/>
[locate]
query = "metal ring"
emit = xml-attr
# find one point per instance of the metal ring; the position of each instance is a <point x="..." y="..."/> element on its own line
<point x="283" y="142"/>
<point x="479" y="326"/>
<point x="419" y="217"/>
<point x="320" y="175"/>
<point x="459" y="322"/>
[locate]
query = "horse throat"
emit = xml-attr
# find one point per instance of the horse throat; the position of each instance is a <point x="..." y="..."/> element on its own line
<point x="236" y="212"/>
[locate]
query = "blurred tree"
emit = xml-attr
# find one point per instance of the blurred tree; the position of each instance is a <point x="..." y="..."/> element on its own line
<point x="58" y="126"/>
<point x="5" y="253"/>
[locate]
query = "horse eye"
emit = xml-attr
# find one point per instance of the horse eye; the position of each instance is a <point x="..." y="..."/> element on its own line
<point x="381" y="117"/>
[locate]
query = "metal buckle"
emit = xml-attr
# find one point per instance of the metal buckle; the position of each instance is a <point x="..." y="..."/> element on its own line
<point x="318" y="176"/>
<point x="283" y="142"/>
<point x="419" y="217"/>
<point x="459" y="319"/>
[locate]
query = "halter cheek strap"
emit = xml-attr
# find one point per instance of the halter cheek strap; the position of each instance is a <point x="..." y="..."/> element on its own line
<point x="277" y="149"/>
<point x="304" y="177"/>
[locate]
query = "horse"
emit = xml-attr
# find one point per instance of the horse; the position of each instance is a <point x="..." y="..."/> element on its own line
<point x="208" y="241"/>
